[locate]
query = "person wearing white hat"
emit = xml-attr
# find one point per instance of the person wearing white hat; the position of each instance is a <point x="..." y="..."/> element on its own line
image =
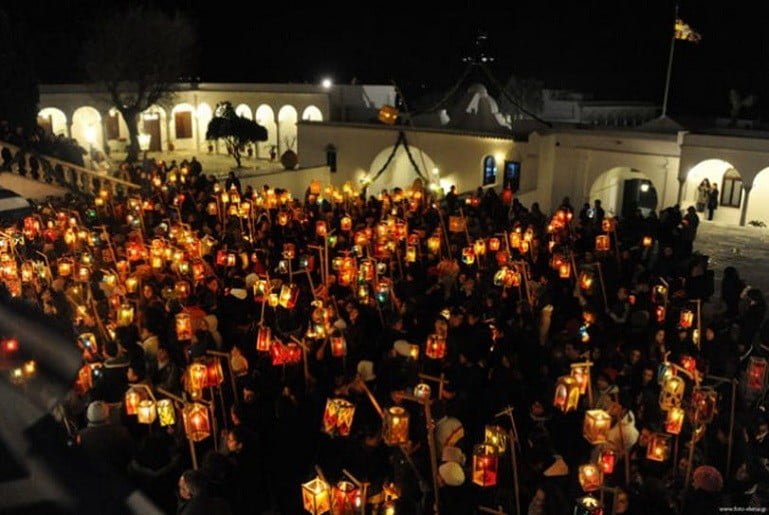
<point x="366" y="370"/>
<point x="455" y="454"/>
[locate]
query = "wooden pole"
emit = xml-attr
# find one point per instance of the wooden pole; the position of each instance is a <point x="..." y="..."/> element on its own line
<point x="731" y="428"/>
<point x="603" y="286"/>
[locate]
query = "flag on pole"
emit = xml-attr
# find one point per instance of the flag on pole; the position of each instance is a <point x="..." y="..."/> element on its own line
<point x="685" y="33"/>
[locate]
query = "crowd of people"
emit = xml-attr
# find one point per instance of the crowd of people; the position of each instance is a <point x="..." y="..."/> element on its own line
<point x="486" y="301"/>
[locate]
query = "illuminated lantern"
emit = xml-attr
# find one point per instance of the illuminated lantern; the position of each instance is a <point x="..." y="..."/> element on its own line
<point x="756" y="373"/>
<point x="496" y="437"/>
<point x="273" y="300"/>
<point x="388" y="114"/>
<point x="198" y="270"/>
<point x="197" y="378"/>
<point x="674" y="421"/>
<point x="166" y="412"/>
<point x="231" y="260"/>
<point x="289" y="294"/>
<point x="659" y="314"/>
<point x="411" y="254"/>
<point x="581" y="373"/>
<point x="435" y="347"/>
<point x="31" y="227"/>
<point x="146" y="412"/>
<point x="321" y="229"/>
<point x="588" y="506"/>
<point x="283" y="218"/>
<point x="337" y="418"/>
<point x="221" y="258"/>
<point x="596" y="426"/>
<point x="264" y="339"/>
<point x="672" y="393"/>
<point x="395" y="426"/>
<point x="133" y="397"/>
<point x="156" y="262"/>
<point x="434" y="244"/>
<point x="292" y="353"/>
<point x="493" y="244"/>
<point x="608" y="224"/>
<point x="361" y="238"/>
<point x="689" y="363"/>
<point x="564" y="270"/>
<point x="125" y="315"/>
<point x="485" y="465"/>
<point x="131" y="284"/>
<point x="468" y="256"/>
<point x="515" y="238"/>
<point x="566" y="395"/>
<point x="606" y="460"/>
<point x="705" y="402"/>
<point x="182" y="289"/>
<point x="479" y="247"/>
<point x="197" y="424"/>
<point x="346" y="498"/>
<point x="528" y="235"/>
<point x="338" y="346"/>
<point x="278" y="354"/>
<point x="212" y="209"/>
<point x="29" y="368"/>
<point x="686" y="319"/>
<point x="586" y="281"/>
<point x="183" y="326"/>
<point x="214" y="373"/>
<point x="590" y="477"/>
<point x="602" y="243"/>
<point x="27" y="271"/>
<point x="345" y="223"/>
<point x="664" y="372"/>
<point x="503" y="257"/>
<point x="658" y="448"/>
<point x="289" y="250"/>
<point x="65" y="268"/>
<point x="134" y="251"/>
<point x="456" y="224"/>
<point x="647" y="241"/>
<point x="422" y="391"/>
<point x="316" y="496"/>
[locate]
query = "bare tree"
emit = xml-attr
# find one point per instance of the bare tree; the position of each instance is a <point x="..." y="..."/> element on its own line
<point x="139" y="55"/>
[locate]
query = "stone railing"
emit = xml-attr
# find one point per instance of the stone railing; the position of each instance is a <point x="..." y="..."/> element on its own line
<point x="51" y="170"/>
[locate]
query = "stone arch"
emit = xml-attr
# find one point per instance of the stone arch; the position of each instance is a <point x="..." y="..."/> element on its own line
<point x="716" y="170"/>
<point x="265" y="116"/>
<point x="311" y="113"/>
<point x="87" y="129"/>
<point x="53" y="120"/>
<point x="399" y="173"/>
<point x="287" y="118"/>
<point x="621" y="189"/>
<point x="758" y="204"/>
<point x="244" y="110"/>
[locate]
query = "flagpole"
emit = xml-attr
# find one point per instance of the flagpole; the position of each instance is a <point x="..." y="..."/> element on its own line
<point x="670" y="69"/>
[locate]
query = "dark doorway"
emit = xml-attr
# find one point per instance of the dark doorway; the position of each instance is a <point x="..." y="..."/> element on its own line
<point x="152" y="127"/>
<point x="638" y="194"/>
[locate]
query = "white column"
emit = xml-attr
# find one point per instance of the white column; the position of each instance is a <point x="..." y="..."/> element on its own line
<point x="744" y="210"/>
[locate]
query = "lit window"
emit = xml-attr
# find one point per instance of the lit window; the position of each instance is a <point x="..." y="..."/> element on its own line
<point x="731" y="189"/>
<point x="489" y="170"/>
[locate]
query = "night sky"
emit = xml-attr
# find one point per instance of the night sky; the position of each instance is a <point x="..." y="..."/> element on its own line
<point x="615" y="50"/>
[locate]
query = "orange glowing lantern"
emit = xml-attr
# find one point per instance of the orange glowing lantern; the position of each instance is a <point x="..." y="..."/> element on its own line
<point x="146" y="412"/>
<point x="182" y="289"/>
<point x="183" y="326"/>
<point x="388" y="114"/>
<point x="283" y="218"/>
<point x="602" y="243"/>
<point x="435" y="347"/>
<point x="502" y="257"/>
<point x="321" y="229"/>
<point x="566" y="396"/>
<point x="494" y="244"/>
<point x="338" y="416"/>
<point x="125" y="315"/>
<point x="606" y="460"/>
<point x="586" y="281"/>
<point x="27" y="271"/>
<point x="468" y="256"/>
<point x="292" y="353"/>
<point x="361" y="238"/>
<point x="434" y="244"/>
<point x="65" y="268"/>
<point x="496" y="437"/>
<point x="564" y="270"/>
<point x="457" y="224"/>
<point x="134" y="251"/>
<point x="316" y="496"/>
<point x="272" y="300"/>
<point x="686" y="319"/>
<point x="338" y="346"/>
<point x="197" y="378"/>
<point x="756" y="373"/>
<point x="581" y="372"/>
<point x="131" y="284"/>
<point x="672" y="393"/>
<point x="659" y="314"/>
<point x="133" y="397"/>
<point x="395" y="426"/>
<point x="658" y="448"/>
<point x="647" y="241"/>
<point x="674" y="421"/>
<point x="289" y="251"/>
<point x="479" y="247"/>
<point x="515" y="238"/>
<point x="264" y="339"/>
<point x="346" y="499"/>
<point x="689" y="363"/>
<point x="590" y="477"/>
<point x="214" y="373"/>
<point x="485" y="465"/>
<point x="289" y="294"/>
<point x="345" y="224"/>
<point x="166" y="412"/>
<point x="596" y="426"/>
<point x="197" y="423"/>
<point x="705" y="401"/>
<point x="411" y="254"/>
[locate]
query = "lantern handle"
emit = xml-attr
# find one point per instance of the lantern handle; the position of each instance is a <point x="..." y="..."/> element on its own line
<point x="320" y="473"/>
<point x="146" y="388"/>
<point x="352" y="478"/>
<point x="171" y="395"/>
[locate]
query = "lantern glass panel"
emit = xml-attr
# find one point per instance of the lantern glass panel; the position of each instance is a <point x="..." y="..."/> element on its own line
<point x="590" y="477"/>
<point x="485" y="465"/>
<point x="166" y="412"/>
<point x="596" y="426"/>
<point x="197" y="424"/>
<point x="395" y="430"/>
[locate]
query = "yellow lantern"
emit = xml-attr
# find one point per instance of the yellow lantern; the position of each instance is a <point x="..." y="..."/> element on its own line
<point x="496" y="437"/>
<point x="182" y="289"/>
<point x="411" y="254"/>
<point x="125" y="315"/>
<point x="658" y="448"/>
<point x="590" y="477"/>
<point x="146" y="412"/>
<point x="321" y="229"/>
<point x="197" y="424"/>
<point x="338" y="416"/>
<point x="588" y="506"/>
<point x="197" y="378"/>
<point x="133" y="398"/>
<point x="183" y="326"/>
<point x="647" y="241"/>
<point x="388" y="114"/>
<point x="479" y="247"/>
<point x="264" y="339"/>
<point x="564" y="270"/>
<point x="27" y="271"/>
<point x="273" y="300"/>
<point x="65" y="268"/>
<point x="672" y="393"/>
<point x="515" y="238"/>
<point x="345" y="223"/>
<point x="566" y="396"/>
<point x="166" y="412"/>
<point x="485" y="465"/>
<point x="434" y="244"/>
<point x="316" y="496"/>
<point x="468" y="256"/>
<point x="581" y="372"/>
<point x="289" y="294"/>
<point x="596" y="426"/>
<point x="674" y="421"/>
<point x="395" y="429"/>
<point x="131" y="284"/>
<point x="602" y="243"/>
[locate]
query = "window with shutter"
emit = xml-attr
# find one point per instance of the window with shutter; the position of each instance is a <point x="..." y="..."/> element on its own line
<point x="183" y="121"/>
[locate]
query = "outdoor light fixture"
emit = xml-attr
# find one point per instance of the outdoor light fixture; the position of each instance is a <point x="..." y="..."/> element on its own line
<point x="327" y="83"/>
<point x="144" y="141"/>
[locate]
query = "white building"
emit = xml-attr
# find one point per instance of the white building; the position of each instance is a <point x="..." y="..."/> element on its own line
<point x="592" y="150"/>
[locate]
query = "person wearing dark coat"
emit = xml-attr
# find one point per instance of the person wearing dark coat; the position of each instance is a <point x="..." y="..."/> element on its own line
<point x="194" y="498"/>
<point x="731" y="288"/>
<point x="104" y="442"/>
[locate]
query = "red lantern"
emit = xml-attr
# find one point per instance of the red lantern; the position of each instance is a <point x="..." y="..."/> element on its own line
<point x="660" y="314"/>
<point x="435" y="347"/>
<point x="675" y="420"/>
<point x="293" y="353"/>
<point x="756" y="373"/>
<point x="485" y="465"/>
<point x="337" y="417"/>
<point x="197" y="424"/>
<point x="132" y="399"/>
<point x="658" y="447"/>
<point x="686" y="320"/>
<point x="321" y="229"/>
<point x="345" y="223"/>
<point x="689" y="363"/>
<point x="338" y="346"/>
<point x="264" y="339"/>
<point x="214" y="373"/>
<point x="346" y="498"/>
<point x="494" y="244"/>
<point x="606" y="460"/>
